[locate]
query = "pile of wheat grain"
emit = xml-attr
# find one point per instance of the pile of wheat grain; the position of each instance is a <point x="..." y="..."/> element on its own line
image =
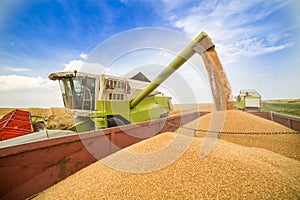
<point x="238" y="121"/>
<point x="286" y="144"/>
<point x="229" y="172"/>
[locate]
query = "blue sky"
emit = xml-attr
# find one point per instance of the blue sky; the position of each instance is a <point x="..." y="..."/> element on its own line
<point x="257" y="41"/>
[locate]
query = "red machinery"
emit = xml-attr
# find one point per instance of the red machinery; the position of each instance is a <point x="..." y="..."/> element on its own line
<point x="14" y="124"/>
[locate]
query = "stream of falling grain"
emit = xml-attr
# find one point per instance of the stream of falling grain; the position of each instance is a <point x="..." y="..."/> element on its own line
<point x="219" y="83"/>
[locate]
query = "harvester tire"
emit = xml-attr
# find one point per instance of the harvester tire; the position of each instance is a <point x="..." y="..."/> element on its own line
<point x="164" y="115"/>
<point x="114" y="121"/>
<point x="39" y="127"/>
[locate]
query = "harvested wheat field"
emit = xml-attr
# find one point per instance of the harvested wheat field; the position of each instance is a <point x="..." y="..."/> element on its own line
<point x="178" y="109"/>
<point x="238" y="121"/>
<point x="230" y="171"/>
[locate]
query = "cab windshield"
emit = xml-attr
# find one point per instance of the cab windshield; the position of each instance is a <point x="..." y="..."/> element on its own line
<point x="78" y="92"/>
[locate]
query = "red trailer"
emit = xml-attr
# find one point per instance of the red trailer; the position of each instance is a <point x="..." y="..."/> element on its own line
<point x="30" y="166"/>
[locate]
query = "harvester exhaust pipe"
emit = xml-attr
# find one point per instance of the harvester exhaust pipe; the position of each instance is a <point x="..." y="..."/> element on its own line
<point x="200" y="44"/>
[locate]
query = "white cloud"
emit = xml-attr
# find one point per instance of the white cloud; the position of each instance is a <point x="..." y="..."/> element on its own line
<point x="165" y="54"/>
<point x="25" y="91"/>
<point x="13" y="69"/>
<point x="73" y="65"/>
<point x="248" y="48"/>
<point x="84" y="56"/>
<point x="234" y="27"/>
<point x="23" y="83"/>
<point x="80" y="66"/>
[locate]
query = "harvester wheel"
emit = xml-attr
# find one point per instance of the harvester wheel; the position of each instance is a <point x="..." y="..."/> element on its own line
<point x="39" y="126"/>
<point x="164" y="115"/>
<point x="114" y="121"/>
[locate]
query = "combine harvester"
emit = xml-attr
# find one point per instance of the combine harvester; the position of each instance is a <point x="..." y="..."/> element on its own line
<point x="106" y="101"/>
<point x="32" y="163"/>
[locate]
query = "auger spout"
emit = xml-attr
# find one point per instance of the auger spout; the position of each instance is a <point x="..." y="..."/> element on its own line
<point x="201" y="43"/>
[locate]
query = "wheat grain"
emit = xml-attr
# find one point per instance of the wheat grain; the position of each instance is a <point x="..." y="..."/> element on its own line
<point x="230" y="172"/>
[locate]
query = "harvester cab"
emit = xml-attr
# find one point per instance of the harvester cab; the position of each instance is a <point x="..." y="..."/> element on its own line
<point x="78" y="89"/>
<point x="102" y="101"/>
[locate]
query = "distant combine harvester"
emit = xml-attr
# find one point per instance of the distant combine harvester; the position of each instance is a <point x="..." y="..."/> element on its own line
<point x="248" y="100"/>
